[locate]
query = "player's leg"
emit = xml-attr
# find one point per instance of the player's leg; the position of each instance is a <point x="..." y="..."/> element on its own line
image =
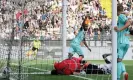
<point x="35" y="52"/>
<point x="71" y="52"/>
<point x="125" y="49"/>
<point x="29" y="53"/>
<point x="125" y="74"/>
<point x="120" y="65"/>
<point x="119" y="59"/>
<point x="119" y="69"/>
<point x="79" y="51"/>
<point x="106" y="59"/>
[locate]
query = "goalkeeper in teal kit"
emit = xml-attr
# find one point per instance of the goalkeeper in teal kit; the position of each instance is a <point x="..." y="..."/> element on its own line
<point x="75" y="46"/>
<point x="122" y="41"/>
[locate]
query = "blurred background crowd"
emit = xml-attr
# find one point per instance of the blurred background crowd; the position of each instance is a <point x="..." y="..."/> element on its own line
<point x="44" y="18"/>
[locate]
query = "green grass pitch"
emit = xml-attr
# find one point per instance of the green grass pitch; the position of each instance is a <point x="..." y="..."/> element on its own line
<point x="40" y="66"/>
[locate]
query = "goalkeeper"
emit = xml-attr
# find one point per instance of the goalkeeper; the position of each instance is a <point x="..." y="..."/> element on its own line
<point x="67" y="67"/>
<point x="35" y="46"/>
<point x="77" y="66"/>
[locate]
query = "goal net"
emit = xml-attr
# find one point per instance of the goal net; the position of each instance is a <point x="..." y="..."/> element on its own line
<point x="41" y="20"/>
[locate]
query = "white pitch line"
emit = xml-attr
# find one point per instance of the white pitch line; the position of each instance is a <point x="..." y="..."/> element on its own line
<point x="38" y="63"/>
<point x="81" y="77"/>
<point x="32" y="68"/>
<point x="31" y="64"/>
<point x="12" y="79"/>
<point x="33" y="73"/>
<point x="70" y="75"/>
<point x="35" y="68"/>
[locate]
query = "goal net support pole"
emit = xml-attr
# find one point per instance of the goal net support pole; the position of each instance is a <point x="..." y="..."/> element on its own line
<point x="114" y="40"/>
<point x="64" y="14"/>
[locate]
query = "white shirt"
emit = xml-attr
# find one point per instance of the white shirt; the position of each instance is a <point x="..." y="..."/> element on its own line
<point x="39" y="16"/>
<point x="106" y="67"/>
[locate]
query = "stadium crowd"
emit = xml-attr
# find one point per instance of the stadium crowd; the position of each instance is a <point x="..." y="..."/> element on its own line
<point x="45" y="19"/>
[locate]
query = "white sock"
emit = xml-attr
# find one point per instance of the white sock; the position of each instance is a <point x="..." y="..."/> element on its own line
<point x="124" y="73"/>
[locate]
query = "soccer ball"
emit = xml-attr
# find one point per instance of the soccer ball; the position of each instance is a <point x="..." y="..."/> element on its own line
<point x="5" y="72"/>
<point x="82" y="73"/>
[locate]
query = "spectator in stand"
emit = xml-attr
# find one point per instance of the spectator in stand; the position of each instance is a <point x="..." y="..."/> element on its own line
<point x="49" y="16"/>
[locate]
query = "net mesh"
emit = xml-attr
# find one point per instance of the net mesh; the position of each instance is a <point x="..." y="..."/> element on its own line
<point x="18" y="62"/>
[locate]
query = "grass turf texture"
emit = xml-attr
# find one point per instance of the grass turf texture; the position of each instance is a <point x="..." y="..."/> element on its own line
<point x="40" y="66"/>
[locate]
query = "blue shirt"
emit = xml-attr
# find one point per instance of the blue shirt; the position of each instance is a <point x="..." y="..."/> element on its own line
<point x="44" y="16"/>
<point x="20" y="24"/>
<point x="121" y="38"/>
<point x="79" y="38"/>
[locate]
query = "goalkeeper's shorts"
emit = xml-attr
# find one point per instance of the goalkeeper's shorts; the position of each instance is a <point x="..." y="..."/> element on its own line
<point x="34" y="49"/>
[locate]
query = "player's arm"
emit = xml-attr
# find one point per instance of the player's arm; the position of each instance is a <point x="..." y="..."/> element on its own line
<point x="128" y="23"/>
<point x="31" y="45"/>
<point x="39" y="45"/>
<point x="86" y="44"/>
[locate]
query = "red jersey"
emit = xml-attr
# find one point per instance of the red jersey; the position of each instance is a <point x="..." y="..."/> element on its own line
<point x="68" y="66"/>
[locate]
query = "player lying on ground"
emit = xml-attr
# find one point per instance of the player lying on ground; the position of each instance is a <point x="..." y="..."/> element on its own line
<point x="90" y="68"/>
<point x="67" y="66"/>
<point x="99" y="69"/>
<point x="76" y="66"/>
<point x="35" y="46"/>
<point x="75" y="46"/>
